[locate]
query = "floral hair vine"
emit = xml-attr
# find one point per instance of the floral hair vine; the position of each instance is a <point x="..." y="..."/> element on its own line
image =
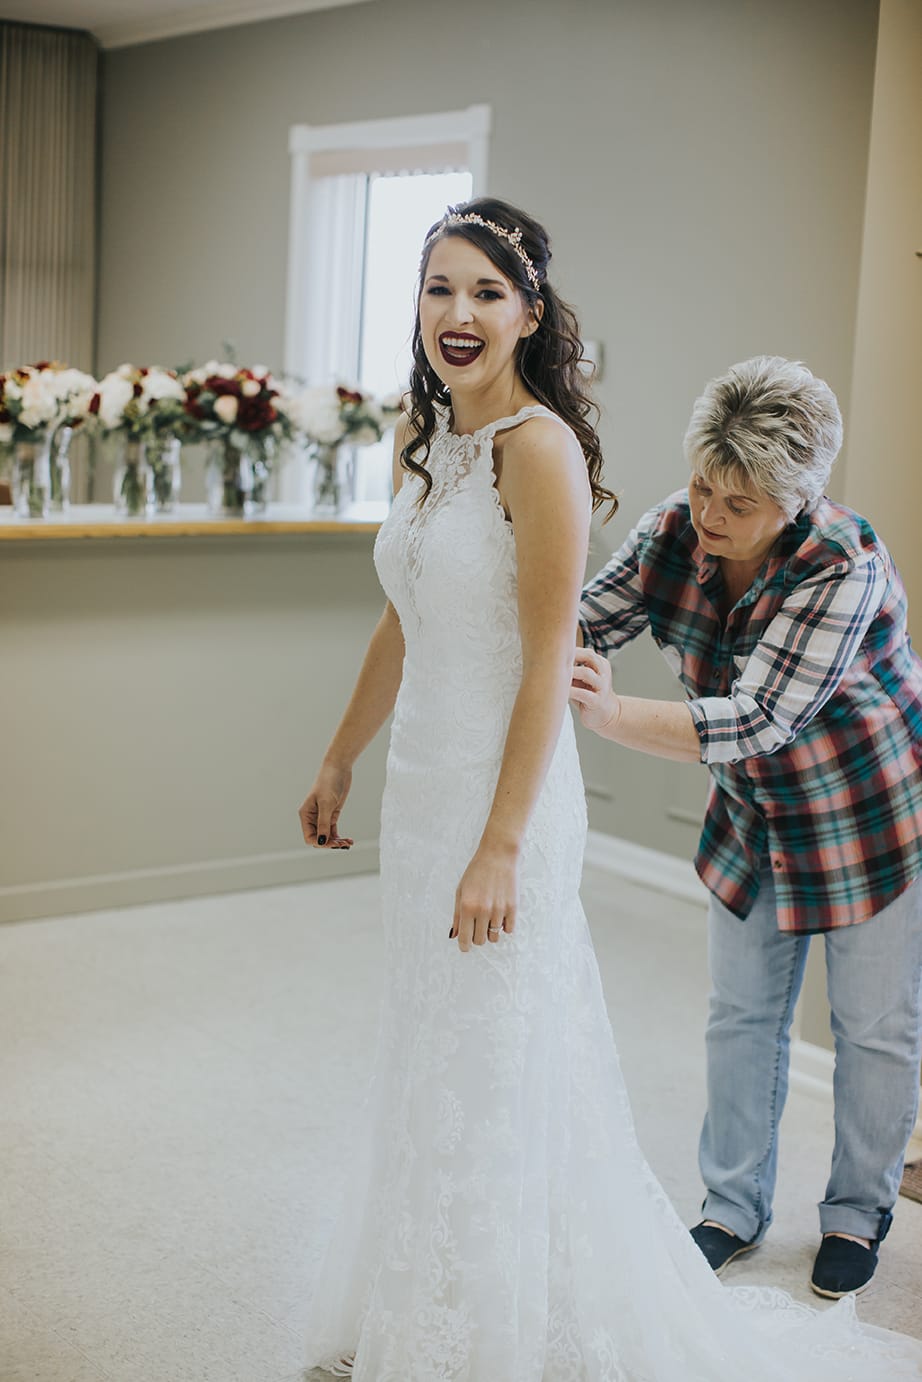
<point x="514" y="238"/>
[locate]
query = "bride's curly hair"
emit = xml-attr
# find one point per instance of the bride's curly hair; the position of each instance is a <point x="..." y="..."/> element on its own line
<point x="548" y="360"/>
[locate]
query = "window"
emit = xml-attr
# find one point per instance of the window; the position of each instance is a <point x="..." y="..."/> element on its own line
<point x="400" y="209"/>
<point x="362" y="198"/>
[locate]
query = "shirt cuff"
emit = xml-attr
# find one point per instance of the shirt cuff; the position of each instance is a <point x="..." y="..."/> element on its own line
<point x="589" y="639"/>
<point x="717" y="727"/>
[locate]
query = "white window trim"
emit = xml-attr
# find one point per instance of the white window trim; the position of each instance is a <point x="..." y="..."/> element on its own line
<point x="470" y="126"/>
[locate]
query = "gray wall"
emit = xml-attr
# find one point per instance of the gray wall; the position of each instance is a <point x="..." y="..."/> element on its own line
<point x="164" y="705"/>
<point x="701" y="167"/>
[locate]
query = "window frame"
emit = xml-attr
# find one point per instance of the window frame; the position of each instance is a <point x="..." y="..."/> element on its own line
<point x="470" y="127"/>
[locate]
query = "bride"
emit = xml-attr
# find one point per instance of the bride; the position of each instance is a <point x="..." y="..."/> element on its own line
<point x="501" y="1224"/>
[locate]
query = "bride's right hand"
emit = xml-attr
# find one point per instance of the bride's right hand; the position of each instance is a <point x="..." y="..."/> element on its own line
<point x="319" y="811"/>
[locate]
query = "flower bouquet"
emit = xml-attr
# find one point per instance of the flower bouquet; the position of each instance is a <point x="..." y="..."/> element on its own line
<point x="75" y="390"/>
<point x="333" y="418"/>
<point x="243" y="413"/>
<point x="40" y="404"/>
<point x="143" y="406"/>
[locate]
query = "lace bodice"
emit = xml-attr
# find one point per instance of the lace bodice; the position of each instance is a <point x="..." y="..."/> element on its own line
<point x="448" y="564"/>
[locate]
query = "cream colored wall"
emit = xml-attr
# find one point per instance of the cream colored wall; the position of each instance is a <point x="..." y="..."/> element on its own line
<point x="883" y="473"/>
<point x="701" y="168"/>
<point x="165" y="704"/>
<point x="883" y="477"/>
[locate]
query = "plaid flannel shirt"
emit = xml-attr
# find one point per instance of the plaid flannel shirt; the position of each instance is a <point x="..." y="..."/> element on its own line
<point x="807" y="701"/>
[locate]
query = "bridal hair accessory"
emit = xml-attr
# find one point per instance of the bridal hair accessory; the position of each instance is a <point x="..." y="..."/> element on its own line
<point x="514" y="238"/>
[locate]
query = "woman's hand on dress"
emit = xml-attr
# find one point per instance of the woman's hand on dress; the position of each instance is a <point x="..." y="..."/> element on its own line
<point x="319" y="811"/>
<point x="591" y="690"/>
<point x="486" y="899"/>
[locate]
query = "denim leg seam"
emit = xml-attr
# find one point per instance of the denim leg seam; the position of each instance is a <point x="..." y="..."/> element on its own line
<point x="773" y="1122"/>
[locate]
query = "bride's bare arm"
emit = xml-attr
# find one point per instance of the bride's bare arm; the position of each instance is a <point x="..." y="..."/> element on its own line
<point x="546" y="492"/>
<point x="369" y="706"/>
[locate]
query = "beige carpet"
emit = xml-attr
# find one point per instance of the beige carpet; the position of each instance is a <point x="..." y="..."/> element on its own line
<point x="177" y="1084"/>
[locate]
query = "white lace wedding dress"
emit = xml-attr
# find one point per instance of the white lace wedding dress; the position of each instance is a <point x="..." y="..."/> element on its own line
<point x="501" y="1224"/>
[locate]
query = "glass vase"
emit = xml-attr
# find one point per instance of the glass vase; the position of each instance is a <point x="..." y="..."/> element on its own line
<point x="261" y="472"/>
<point x="164" y="478"/>
<point x="227" y="479"/>
<point x="32" y="478"/>
<point x="130" y="481"/>
<point x="237" y="478"/>
<point x="333" y="479"/>
<point x="59" y="470"/>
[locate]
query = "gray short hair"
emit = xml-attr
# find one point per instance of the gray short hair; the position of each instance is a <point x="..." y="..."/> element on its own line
<point x="772" y="424"/>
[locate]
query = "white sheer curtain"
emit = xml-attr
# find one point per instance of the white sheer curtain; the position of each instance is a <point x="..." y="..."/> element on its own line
<point x="48" y="82"/>
<point x="330" y="296"/>
<point x="333" y="290"/>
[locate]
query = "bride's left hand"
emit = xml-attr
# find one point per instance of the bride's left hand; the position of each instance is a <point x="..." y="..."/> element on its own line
<point x="485" y="902"/>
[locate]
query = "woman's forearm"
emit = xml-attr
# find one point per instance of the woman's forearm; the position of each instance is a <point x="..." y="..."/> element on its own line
<point x="375" y="692"/>
<point x="531" y="738"/>
<point x="663" y="728"/>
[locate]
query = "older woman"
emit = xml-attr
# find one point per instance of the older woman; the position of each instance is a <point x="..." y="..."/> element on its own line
<point x="785" y="619"/>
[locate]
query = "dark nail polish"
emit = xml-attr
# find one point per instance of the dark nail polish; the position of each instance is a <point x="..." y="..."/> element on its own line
<point x="321" y="839"/>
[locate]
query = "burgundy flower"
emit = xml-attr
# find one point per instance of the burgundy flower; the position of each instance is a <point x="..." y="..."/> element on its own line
<point x="219" y="386"/>
<point x="256" y="414"/>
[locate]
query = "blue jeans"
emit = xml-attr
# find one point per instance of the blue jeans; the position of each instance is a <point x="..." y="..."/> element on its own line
<point x="874" y="981"/>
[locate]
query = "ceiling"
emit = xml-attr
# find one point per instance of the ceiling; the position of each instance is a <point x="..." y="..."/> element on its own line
<point x="118" y="23"/>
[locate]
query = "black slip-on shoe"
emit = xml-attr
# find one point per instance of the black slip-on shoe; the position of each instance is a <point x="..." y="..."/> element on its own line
<point x="719" y="1246"/>
<point x="843" y="1268"/>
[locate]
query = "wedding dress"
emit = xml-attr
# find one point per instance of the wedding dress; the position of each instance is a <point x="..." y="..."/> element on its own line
<point x="501" y="1224"/>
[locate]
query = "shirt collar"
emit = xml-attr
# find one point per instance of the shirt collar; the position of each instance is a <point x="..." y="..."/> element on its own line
<point x="789" y="540"/>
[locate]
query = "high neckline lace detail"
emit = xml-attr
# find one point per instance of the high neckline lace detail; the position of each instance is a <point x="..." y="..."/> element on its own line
<point x="489" y="428"/>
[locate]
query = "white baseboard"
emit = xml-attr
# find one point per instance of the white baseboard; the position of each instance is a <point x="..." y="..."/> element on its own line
<point x="96" y="892"/>
<point x="653" y="868"/>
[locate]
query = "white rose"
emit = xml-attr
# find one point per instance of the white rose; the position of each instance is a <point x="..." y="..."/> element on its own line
<point x="225" y="371"/>
<point x="158" y="383"/>
<point x="75" y="391"/>
<point x="210" y="367"/>
<point x="250" y="388"/>
<point x="39" y="404"/>
<point x="315" y="412"/>
<point x="125" y="371"/>
<point x="115" y="393"/>
<point x="226" y="408"/>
